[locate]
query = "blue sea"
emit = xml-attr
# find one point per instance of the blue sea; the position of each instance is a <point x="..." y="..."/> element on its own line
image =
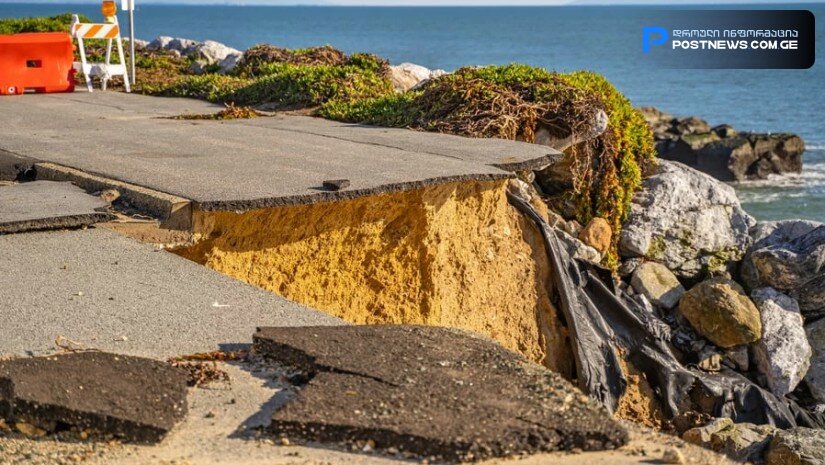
<point x="598" y="38"/>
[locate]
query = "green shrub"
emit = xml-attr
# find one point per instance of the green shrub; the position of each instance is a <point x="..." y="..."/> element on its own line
<point x="310" y="85"/>
<point x="394" y="110"/>
<point x="57" y="23"/>
<point x="211" y="87"/>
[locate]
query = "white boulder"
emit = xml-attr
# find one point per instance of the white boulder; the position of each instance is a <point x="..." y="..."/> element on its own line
<point x="409" y="75"/>
<point x="687" y="221"/>
<point x="213" y="52"/>
<point x="783" y="354"/>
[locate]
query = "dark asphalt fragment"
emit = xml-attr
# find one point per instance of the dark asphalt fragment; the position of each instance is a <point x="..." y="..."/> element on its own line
<point x="430" y="392"/>
<point x="131" y="398"/>
<point x="335" y="184"/>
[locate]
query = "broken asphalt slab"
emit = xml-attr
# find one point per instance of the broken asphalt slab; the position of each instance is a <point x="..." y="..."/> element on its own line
<point x="243" y="164"/>
<point x="15" y="168"/>
<point x="112" y="293"/>
<point x="431" y="392"/>
<point x="131" y="398"/>
<point x="42" y="205"/>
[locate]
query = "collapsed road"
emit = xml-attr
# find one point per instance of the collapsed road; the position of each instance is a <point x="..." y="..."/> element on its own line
<point x="424" y="234"/>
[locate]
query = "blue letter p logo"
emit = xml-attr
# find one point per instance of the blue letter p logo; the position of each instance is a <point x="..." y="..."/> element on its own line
<point x="648" y="39"/>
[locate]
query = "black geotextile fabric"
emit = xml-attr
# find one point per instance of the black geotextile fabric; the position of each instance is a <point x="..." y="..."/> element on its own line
<point x="604" y="325"/>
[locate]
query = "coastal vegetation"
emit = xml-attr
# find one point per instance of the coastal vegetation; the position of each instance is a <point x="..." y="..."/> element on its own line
<point x="57" y="23"/>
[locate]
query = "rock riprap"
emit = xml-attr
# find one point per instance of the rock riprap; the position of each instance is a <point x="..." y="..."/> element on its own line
<point x="657" y="284"/>
<point x="783" y="354"/>
<point x="721" y="151"/>
<point x="744" y="442"/>
<point x="430" y="392"/>
<point x="687" y="221"/>
<point x="205" y="54"/>
<point x="789" y="256"/>
<point x="797" y="446"/>
<point x="132" y="398"/>
<point x="816" y="373"/>
<point x="719" y="310"/>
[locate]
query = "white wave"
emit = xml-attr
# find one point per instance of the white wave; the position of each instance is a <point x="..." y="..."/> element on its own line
<point x="762" y="197"/>
<point x="815" y="146"/>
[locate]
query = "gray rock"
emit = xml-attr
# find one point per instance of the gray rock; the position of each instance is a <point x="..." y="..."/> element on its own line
<point x="184" y="46"/>
<point x="815" y="378"/>
<point x="783" y="354"/>
<point x="790" y="257"/>
<point x="579" y="250"/>
<point x="213" y="52"/>
<point x="687" y="221"/>
<point x="797" y="446"/>
<point x="739" y="441"/>
<point x="658" y="284"/>
<point x="230" y="62"/>
<point x="628" y="266"/>
<point x="160" y="43"/>
<point x="738" y="358"/>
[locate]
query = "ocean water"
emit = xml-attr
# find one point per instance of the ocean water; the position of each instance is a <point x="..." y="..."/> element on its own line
<point x="602" y="39"/>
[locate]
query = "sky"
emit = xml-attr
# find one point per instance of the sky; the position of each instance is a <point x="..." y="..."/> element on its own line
<point x="432" y="2"/>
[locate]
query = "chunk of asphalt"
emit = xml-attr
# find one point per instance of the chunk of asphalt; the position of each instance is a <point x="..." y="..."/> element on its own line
<point x="44" y="205"/>
<point x="15" y="167"/>
<point x="132" y="398"/>
<point x="335" y="184"/>
<point x="430" y="392"/>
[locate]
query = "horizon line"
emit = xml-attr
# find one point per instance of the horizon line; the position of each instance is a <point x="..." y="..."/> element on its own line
<point x="334" y="3"/>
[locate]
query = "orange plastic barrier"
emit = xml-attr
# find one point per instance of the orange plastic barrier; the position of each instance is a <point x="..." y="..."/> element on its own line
<point x="40" y="61"/>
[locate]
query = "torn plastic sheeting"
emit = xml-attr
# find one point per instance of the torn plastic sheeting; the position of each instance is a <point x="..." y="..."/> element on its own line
<point x="601" y="320"/>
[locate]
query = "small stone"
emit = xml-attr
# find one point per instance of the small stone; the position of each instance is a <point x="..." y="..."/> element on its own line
<point x="284" y="441"/>
<point x="597" y="234"/>
<point x="29" y="430"/>
<point x="719" y="310"/>
<point x="738" y="358"/>
<point x="701" y="435"/>
<point x="673" y="455"/>
<point x="658" y="284"/>
<point x="109" y="195"/>
<point x="335" y="184"/>
<point x="710" y="362"/>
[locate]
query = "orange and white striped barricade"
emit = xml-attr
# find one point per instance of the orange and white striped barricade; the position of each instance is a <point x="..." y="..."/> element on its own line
<point x="107" y="69"/>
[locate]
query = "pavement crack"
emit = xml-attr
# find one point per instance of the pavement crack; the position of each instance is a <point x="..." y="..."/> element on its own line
<point x="329" y="369"/>
<point x="374" y="144"/>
